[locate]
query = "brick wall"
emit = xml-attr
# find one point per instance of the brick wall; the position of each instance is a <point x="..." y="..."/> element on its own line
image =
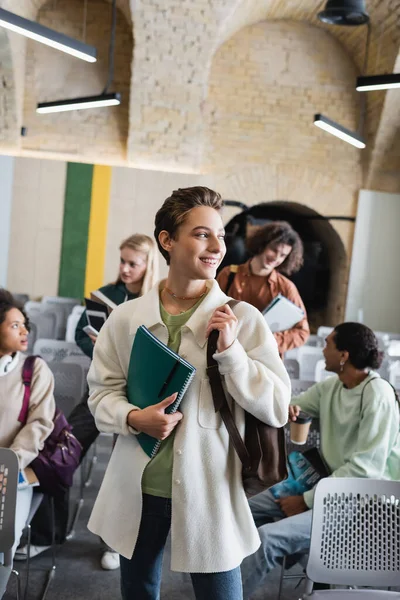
<point x="90" y="135"/>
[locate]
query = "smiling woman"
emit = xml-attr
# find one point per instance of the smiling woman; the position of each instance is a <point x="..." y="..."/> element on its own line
<point x="26" y="440"/>
<point x="193" y="485"/>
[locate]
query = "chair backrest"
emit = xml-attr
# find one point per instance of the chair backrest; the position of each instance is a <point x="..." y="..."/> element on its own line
<point x="69" y="385"/>
<point x="72" y="322"/>
<point x="299" y="386"/>
<point x="355" y="532"/>
<point x="393" y="348"/>
<point x="324" y="331"/>
<point x="320" y="372"/>
<point x="308" y="357"/>
<point x="32" y="337"/>
<point x="292" y="367"/>
<point x="60" y="300"/>
<point x="384" y="369"/>
<point x="63" y="306"/>
<point x="21" y="298"/>
<point x="46" y="324"/>
<point x="82" y="360"/>
<point x="55" y="350"/>
<point x="383" y="339"/>
<point x="313" y="340"/>
<point x="33" y="308"/>
<point x="8" y="499"/>
<point x="394" y="374"/>
<point x="394" y="336"/>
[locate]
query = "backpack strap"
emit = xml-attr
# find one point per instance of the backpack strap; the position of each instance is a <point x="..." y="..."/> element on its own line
<point x="397" y="400"/>
<point x="27" y="375"/>
<point x="219" y="398"/>
<point x="232" y="274"/>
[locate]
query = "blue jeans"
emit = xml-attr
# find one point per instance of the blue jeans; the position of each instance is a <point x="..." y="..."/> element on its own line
<point x="141" y="575"/>
<point x="279" y="538"/>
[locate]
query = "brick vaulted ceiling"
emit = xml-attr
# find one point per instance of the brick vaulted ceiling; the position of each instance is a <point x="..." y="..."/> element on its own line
<point x="174" y="45"/>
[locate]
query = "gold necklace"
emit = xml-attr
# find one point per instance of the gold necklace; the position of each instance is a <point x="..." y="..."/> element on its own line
<point x="184" y="297"/>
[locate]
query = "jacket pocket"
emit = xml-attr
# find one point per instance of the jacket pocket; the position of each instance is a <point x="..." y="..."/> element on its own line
<point x="208" y="418"/>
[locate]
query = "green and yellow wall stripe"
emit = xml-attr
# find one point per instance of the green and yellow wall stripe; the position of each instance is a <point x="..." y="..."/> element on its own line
<point x="83" y="246"/>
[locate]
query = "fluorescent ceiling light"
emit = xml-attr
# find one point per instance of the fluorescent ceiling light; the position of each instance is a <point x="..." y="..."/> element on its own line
<point x="79" y="103"/>
<point x="341" y="132"/>
<point x="370" y="83"/>
<point x="47" y="36"/>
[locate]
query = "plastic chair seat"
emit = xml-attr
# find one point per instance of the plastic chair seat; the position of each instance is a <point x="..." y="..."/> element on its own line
<point x="354" y="595"/>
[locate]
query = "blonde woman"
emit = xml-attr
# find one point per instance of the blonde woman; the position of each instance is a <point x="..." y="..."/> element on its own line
<point x="138" y="272"/>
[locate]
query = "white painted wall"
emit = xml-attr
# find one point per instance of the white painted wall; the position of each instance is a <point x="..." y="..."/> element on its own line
<point x="374" y="284"/>
<point x="36" y="226"/>
<point x="6" y="193"/>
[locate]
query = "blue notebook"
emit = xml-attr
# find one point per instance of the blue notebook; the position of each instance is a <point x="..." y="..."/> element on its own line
<point x="155" y="372"/>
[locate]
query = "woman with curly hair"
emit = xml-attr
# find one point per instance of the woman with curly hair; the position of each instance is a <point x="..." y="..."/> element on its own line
<point x="26" y="440"/>
<point x="275" y="249"/>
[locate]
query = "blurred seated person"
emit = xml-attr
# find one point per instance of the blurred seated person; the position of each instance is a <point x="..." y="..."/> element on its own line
<point x="275" y="249"/>
<point x="359" y="421"/>
<point x="25" y="439"/>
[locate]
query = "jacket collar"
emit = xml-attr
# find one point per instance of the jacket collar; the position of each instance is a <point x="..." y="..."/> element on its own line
<point x="151" y="317"/>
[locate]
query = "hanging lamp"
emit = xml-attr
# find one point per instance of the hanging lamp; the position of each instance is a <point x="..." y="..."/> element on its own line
<point x="104" y="99"/>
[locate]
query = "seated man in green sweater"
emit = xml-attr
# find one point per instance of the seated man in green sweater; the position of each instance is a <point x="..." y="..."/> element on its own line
<point x="359" y="422"/>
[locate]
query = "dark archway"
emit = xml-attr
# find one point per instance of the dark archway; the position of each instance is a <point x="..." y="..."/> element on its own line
<point x="322" y="279"/>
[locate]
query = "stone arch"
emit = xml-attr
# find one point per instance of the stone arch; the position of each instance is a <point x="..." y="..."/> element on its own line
<point x="320" y="281"/>
<point x="277" y="74"/>
<point x="316" y="191"/>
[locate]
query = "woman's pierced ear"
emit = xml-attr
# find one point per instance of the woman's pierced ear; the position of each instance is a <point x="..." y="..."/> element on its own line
<point x="342" y="363"/>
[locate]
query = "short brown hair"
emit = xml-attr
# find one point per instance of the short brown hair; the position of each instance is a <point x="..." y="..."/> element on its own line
<point x="175" y="209"/>
<point x="278" y="232"/>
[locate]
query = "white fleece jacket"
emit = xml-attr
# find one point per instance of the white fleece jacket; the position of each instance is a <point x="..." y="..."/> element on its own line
<point x="212" y="527"/>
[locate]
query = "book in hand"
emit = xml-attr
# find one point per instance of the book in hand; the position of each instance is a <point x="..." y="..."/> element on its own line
<point x="154" y="373"/>
<point x="97" y="314"/>
<point x="27" y="478"/>
<point x="100" y="298"/>
<point x="305" y="470"/>
<point x="282" y="314"/>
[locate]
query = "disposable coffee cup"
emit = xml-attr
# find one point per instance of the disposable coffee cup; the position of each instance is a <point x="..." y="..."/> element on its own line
<point x="299" y="429"/>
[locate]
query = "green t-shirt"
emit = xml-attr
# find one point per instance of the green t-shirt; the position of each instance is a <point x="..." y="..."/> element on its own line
<point x="157" y="476"/>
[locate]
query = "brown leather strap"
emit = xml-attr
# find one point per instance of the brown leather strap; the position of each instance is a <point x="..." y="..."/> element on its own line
<point x="233" y="269"/>
<point x="220" y="402"/>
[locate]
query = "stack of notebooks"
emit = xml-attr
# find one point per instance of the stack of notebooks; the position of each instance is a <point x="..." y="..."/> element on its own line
<point x="155" y="372"/>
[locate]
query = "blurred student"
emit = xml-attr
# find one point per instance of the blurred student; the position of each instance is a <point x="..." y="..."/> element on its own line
<point x="25" y="440"/>
<point x="275" y="249"/>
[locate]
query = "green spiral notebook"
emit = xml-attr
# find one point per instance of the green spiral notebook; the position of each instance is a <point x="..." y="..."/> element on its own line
<point x="155" y="372"/>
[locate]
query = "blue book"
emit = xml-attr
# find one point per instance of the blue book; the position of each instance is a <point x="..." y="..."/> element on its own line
<point x="304" y="474"/>
<point x="155" y="372"/>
